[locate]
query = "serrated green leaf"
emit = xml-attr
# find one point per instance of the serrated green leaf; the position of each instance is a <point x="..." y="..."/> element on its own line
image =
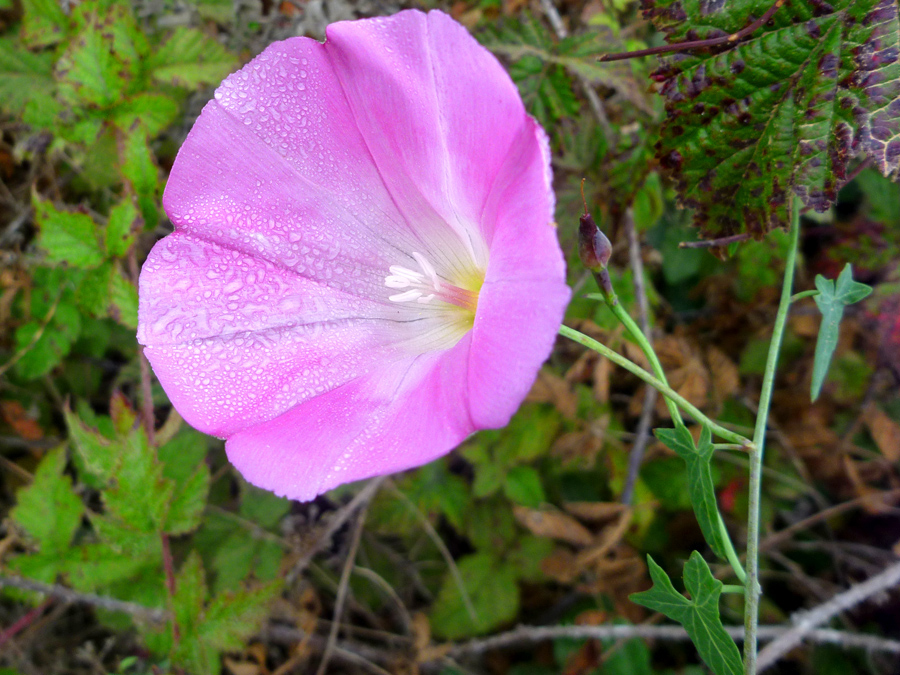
<point x="262" y="507"/>
<point x="94" y="292"/>
<point x="124" y="223"/>
<point x="783" y="111"/>
<point x="99" y="455"/>
<point x="522" y="485"/>
<point x="700" y="483"/>
<point x="699" y="615"/>
<point x="92" y="567"/>
<point x="123" y="301"/>
<point x="577" y="54"/>
<point x="89" y="72"/>
<point x="493" y="591"/>
<point x="139" y="496"/>
<point x="188" y="501"/>
<point x="44" y="23"/>
<point x="46" y="343"/>
<point x="191" y="59"/>
<point x="66" y="236"/>
<point x="831" y="300"/>
<point x="23" y="76"/>
<point x="49" y="510"/>
<point x="231" y="617"/>
<point x="154" y="112"/>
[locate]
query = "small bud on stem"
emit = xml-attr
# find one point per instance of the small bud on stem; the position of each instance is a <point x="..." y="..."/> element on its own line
<point x="594" y="249"/>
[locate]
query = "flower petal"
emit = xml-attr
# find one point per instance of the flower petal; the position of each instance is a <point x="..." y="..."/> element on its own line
<point x="524" y="295"/>
<point x="437" y="111"/>
<point x="400" y="416"/>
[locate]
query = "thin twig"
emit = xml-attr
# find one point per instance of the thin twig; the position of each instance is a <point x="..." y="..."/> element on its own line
<point x="76" y="597"/>
<point x="24" y="621"/>
<point x="343" y="587"/>
<point x="444" y="551"/>
<point x="336" y="522"/>
<point x="698" y="44"/>
<point x="777" y="538"/>
<point x="524" y="635"/>
<point x="804" y="622"/>
<point x="721" y="241"/>
<point x="642" y="434"/>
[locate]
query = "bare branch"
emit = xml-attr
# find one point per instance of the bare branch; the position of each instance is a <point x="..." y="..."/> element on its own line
<point x="805" y="622"/>
<point x="76" y="597"/>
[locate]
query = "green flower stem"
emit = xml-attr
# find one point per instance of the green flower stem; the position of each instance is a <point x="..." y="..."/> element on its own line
<point x="751" y="603"/>
<point x="731" y="588"/>
<point x="661" y="387"/>
<point x="731" y="554"/>
<point x="729" y="446"/>
<point x="648" y="350"/>
<point x="803" y="294"/>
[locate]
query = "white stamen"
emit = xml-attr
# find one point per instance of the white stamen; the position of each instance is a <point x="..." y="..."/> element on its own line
<point x="406" y="297"/>
<point x="426" y="299"/>
<point x="428" y="268"/>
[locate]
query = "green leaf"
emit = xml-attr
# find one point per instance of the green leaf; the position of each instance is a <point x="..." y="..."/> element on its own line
<point x="232" y="617"/>
<point x="155" y="112"/>
<point x="139" y="497"/>
<point x="494" y="593"/>
<point x="699" y="615"/>
<point x="49" y="510"/>
<point x="89" y="72"/>
<point x="68" y="237"/>
<point x="577" y="54"/>
<point x="94" y="292"/>
<point x="831" y="300"/>
<point x="23" y="76"/>
<point x="99" y="455"/>
<point x="190" y="59"/>
<point x="262" y="507"/>
<point x="124" y="301"/>
<point x="124" y="223"/>
<point x="188" y="501"/>
<point x="222" y="624"/>
<point x="523" y="486"/>
<point x="783" y="111"/>
<point x="44" y="22"/>
<point x="700" y="483"/>
<point x="47" y="343"/>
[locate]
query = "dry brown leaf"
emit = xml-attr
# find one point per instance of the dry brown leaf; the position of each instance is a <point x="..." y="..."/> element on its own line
<point x="560" y="566"/>
<point x="595" y="511"/>
<point x="725" y="376"/>
<point x="554" y="525"/>
<point x="21" y="421"/>
<point x="609" y="538"/>
<point x="862" y="489"/>
<point x="602" y="376"/>
<point x="579" y="446"/>
<point x="550" y="388"/>
<point x="805" y="325"/>
<point x="885" y="431"/>
<point x="421" y="631"/>
<point x="242" y="667"/>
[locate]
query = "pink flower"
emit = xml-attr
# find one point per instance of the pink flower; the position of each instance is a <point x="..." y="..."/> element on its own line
<point x="364" y="268"/>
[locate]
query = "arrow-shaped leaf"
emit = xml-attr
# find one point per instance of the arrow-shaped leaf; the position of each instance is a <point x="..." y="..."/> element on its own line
<point x="832" y="299"/>
<point x="700" y="482"/>
<point x="699" y="615"/>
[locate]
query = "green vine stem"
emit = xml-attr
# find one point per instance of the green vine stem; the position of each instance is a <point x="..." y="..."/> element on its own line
<point x="751" y="603"/>
<point x="643" y="342"/>
<point x="661" y="387"/>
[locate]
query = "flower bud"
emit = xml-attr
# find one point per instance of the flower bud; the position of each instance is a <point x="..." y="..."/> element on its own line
<point x="594" y="248"/>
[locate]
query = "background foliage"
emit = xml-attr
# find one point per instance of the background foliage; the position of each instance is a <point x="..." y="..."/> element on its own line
<point x="179" y="566"/>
